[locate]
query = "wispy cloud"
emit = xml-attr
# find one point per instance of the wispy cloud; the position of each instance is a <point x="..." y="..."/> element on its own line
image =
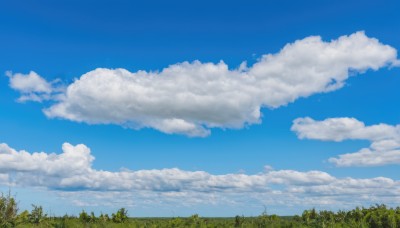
<point x="191" y="98"/>
<point x="33" y="87"/>
<point x="385" y="139"/>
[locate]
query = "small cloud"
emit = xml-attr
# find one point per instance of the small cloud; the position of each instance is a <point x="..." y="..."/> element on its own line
<point x="268" y="168"/>
<point x="385" y="139"/>
<point x="33" y="87"/>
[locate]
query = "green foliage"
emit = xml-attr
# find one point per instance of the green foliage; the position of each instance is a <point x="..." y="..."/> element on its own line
<point x="377" y="216"/>
<point x="194" y="218"/>
<point x="92" y="217"/>
<point x="23" y="217"/>
<point x="104" y="218"/>
<point x="239" y="220"/>
<point x="175" y="222"/>
<point x="84" y="217"/>
<point x="36" y="216"/>
<point x="121" y="216"/>
<point x="8" y="211"/>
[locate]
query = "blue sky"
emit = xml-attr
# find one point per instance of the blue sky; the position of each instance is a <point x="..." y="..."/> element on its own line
<point x="165" y="138"/>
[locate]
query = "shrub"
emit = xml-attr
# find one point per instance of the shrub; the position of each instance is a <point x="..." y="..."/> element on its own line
<point x="121" y="216"/>
<point x="239" y="220"/>
<point x="175" y="222"/>
<point x="37" y="216"/>
<point x="23" y="217"/>
<point x="92" y="218"/>
<point x="8" y="211"/>
<point x="104" y="217"/>
<point x="84" y="217"/>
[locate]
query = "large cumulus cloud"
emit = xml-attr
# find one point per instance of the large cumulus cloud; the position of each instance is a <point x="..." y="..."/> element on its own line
<point x="190" y="98"/>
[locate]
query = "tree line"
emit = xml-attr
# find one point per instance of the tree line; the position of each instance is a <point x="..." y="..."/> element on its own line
<point x="376" y="216"/>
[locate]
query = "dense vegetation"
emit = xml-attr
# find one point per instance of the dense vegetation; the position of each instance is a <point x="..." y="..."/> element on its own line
<point x="374" y="216"/>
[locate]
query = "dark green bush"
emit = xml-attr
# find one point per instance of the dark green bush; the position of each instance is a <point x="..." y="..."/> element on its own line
<point x="121" y="216"/>
<point x="36" y="216"/>
<point x="84" y="217"/>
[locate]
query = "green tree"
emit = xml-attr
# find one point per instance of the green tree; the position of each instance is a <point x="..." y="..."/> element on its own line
<point x="37" y="216"/>
<point x="84" y="217"/>
<point x="239" y="220"/>
<point x="121" y="216"/>
<point x="92" y="218"/>
<point x="104" y="217"/>
<point x="23" y="217"/>
<point x="8" y="210"/>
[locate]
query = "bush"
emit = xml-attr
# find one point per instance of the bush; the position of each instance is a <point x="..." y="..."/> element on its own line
<point x="121" y="216"/>
<point x="8" y="211"/>
<point x="23" y="217"/>
<point x="239" y="220"/>
<point x="92" y="218"/>
<point x="36" y="216"/>
<point x="84" y="217"/>
<point x="175" y="222"/>
<point x="194" y="219"/>
<point x="104" y="218"/>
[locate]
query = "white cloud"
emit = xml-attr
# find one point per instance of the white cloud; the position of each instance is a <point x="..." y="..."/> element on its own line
<point x="76" y="158"/>
<point x="190" y="98"/>
<point x="385" y="139"/>
<point x="27" y="83"/>
<point x="368" y="157"/>
<point x="33" y="87"/>
<point x="71" y="175"/>
<point x="73" y="169"/>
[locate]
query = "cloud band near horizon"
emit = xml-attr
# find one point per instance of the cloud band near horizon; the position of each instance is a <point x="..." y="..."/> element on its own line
<point x="71" y="173"/>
